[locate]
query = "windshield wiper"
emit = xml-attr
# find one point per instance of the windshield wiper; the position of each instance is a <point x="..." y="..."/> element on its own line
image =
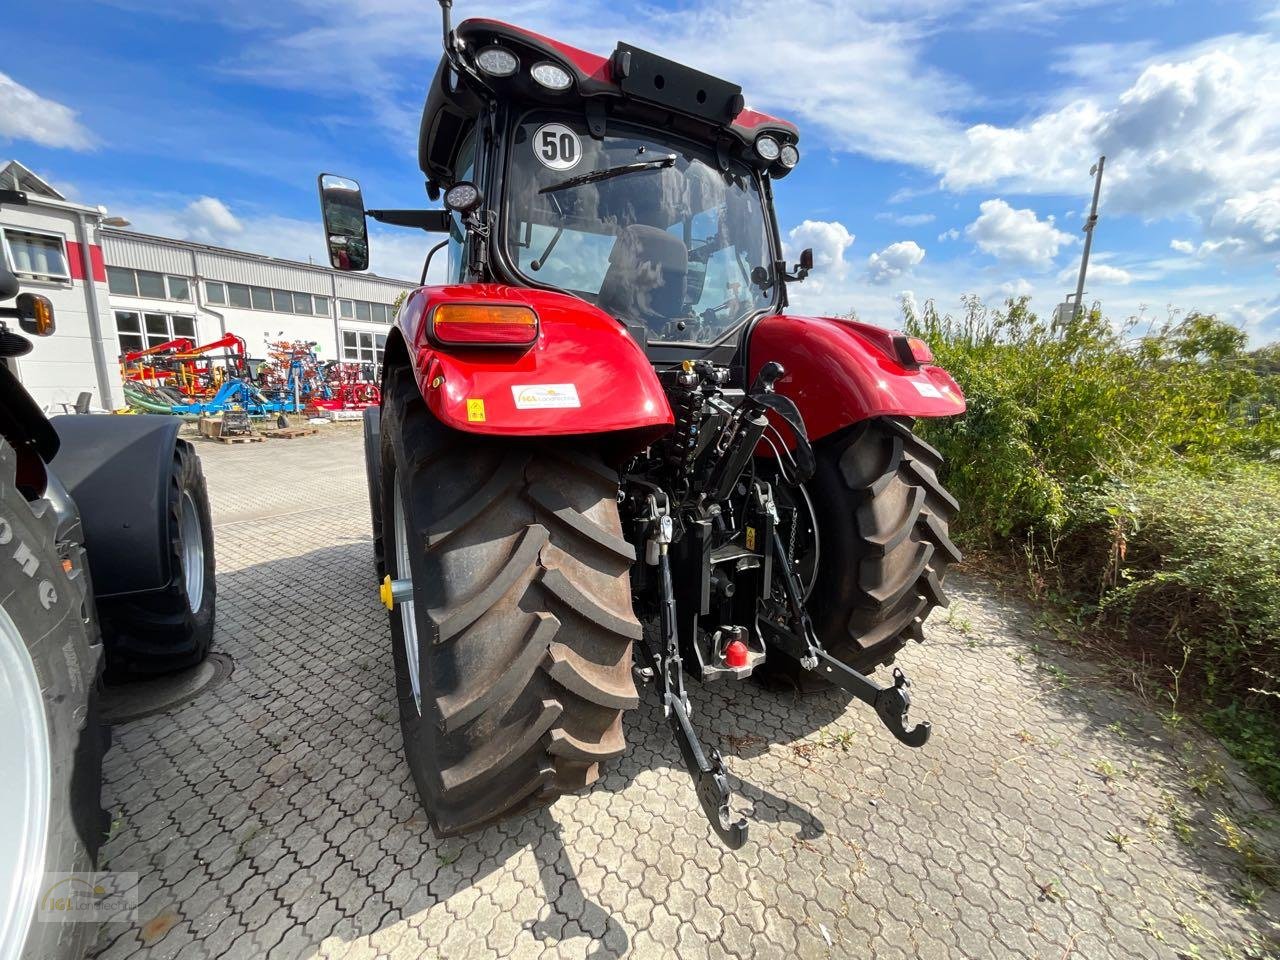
<point x="595" y="176"/>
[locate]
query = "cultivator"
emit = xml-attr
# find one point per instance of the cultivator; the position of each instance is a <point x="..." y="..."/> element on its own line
<point x="179" y="377"/>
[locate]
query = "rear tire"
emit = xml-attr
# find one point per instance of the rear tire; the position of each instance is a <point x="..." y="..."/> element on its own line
<point x="53" y="745"/>
<point x="372" y="422"/>
<point x="520" y="624"/>
<point x="884" y="519"/>
<point x="171" y="628"/>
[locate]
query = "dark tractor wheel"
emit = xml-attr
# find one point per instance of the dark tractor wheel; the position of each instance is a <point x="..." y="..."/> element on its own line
<point x="884" y="547"/>
<point x="513" y="655"/>
<point x="171" y="628"/>
<point x="51" y="744"/>
<point x="373" y="476"/>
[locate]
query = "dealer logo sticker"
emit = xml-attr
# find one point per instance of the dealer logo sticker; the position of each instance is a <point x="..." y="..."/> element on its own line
<point x="539" y="396"/>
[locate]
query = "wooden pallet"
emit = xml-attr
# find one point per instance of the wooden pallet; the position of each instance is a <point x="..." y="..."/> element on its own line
<point x="241" y="438"/>
<point x="291" y="433"/>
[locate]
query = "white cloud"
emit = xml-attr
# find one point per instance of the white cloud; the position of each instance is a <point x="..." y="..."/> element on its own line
<point x="1182" y="246"/>
<point x="1103" y="64"/>
<point x="1017" y="236"/>
<point x="894" y="261"/>
<point x="208" y="220"/>
<point x="1021" y="287"/>
<point x="829" y="240"/>
<point x="903" y="194"/>
<point x="907" y="219"/>
<point x="25" y="115"/>
<point x="946" y="235"/>
<point x="1252" y="217"/>
<point x="1099" y="273"/>
<point x="393" y="253"/>
<point x="867" y="86"/>
<point x="1196" y="131"/>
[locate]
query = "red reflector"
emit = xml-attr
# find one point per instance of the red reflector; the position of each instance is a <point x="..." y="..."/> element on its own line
<point x="465" y="324"/>
<point x="920" y="351"/>
<point x="735" y="654"/>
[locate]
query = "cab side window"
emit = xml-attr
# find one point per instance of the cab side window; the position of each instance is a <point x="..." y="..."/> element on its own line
<point x="464" y="169"/>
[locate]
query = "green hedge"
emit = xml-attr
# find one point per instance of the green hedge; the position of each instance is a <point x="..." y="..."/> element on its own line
<point x="1137" y="471"/>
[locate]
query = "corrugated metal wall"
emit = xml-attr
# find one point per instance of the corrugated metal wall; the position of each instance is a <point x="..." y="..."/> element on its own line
<point x="356" y="287"/>
<point x="262" y="273"/>
<point x="125" y="251"/>
<point x="174" y="256"/>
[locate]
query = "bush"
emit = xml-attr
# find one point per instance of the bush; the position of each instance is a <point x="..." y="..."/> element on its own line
<point x="1055" y="415"/>
<point x="1139" y="474"/>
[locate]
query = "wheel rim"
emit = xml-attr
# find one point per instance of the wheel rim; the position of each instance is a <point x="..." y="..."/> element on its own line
<point x="808" y="546"/>
<point x="404" y="571"/>
<point x="24" y="789"/>
<point x="192" y="550"/>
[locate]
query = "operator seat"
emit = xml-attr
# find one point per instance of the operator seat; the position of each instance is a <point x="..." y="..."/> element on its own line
<point x="645" y="282"/>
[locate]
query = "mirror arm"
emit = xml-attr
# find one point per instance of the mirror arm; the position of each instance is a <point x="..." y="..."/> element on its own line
<point x="433" y="221"/>
<point x="426" y="264"/>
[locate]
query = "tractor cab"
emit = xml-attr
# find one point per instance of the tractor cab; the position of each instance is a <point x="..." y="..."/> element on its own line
<point x="632" y="182"/>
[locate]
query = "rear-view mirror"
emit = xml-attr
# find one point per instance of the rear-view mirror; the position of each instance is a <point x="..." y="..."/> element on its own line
<point x="342" y="207"/>
<point x="35" y="314"/>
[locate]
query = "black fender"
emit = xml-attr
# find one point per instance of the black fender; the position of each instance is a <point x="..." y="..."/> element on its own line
<point x="373" y="475"/>
<point x="117" y="470"/>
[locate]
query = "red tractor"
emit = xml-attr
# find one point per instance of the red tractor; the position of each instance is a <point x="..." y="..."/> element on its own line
<point x="606" y="431"/>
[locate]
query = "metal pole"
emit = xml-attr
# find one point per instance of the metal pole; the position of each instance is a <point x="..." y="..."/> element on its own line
<point x="87" y="235"/>
<point x="1088" y="231"/>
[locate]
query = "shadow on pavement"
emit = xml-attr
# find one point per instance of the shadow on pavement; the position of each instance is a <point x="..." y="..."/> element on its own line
<point x="275" y="811"/>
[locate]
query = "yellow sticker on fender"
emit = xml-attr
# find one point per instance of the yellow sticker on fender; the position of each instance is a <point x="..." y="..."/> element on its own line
<point x="751" y="538"/>
<point x="475" y="410"/>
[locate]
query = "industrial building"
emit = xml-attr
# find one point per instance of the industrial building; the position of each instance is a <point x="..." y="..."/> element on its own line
<point x="115" y="290"/>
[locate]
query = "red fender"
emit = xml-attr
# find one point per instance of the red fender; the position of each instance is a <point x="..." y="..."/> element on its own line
<point x="841" y="371"/>
<point x="590" y="376"/>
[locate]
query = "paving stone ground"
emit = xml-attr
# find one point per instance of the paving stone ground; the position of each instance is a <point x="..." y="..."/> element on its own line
<point x="1051" y="816"/>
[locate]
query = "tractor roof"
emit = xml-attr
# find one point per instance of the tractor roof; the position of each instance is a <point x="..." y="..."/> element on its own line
<point x="630" y="84"/>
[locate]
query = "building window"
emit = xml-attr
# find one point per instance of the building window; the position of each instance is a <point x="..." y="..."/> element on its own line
<point x="122" y="281"/>
<point x="39" y="255"/>
<point x="261" y="298"/>
<point x="238" y="295"/>
<point x="282" y="302"/>
<point x="366" y="312"/>
<point x="145" y="283"/>
<point x="140" y="331"/>
<point x="151" y="285"/>
<point x="322" y="306"/>
<point x="215" y="292"/>
<point x="361" y="346"/>
<point x="129" y="331"/>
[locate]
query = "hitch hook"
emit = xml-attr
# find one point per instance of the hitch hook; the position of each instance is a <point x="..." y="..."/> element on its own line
<point x="892" y="704"/>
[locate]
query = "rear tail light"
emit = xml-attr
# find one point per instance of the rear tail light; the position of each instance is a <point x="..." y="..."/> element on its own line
<point x="919" y="351"/>
<point x="911" y="351"/>
<point x="485" y="325"/>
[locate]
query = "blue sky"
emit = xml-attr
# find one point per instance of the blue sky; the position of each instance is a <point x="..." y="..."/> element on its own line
<point x="946" y="143"/>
